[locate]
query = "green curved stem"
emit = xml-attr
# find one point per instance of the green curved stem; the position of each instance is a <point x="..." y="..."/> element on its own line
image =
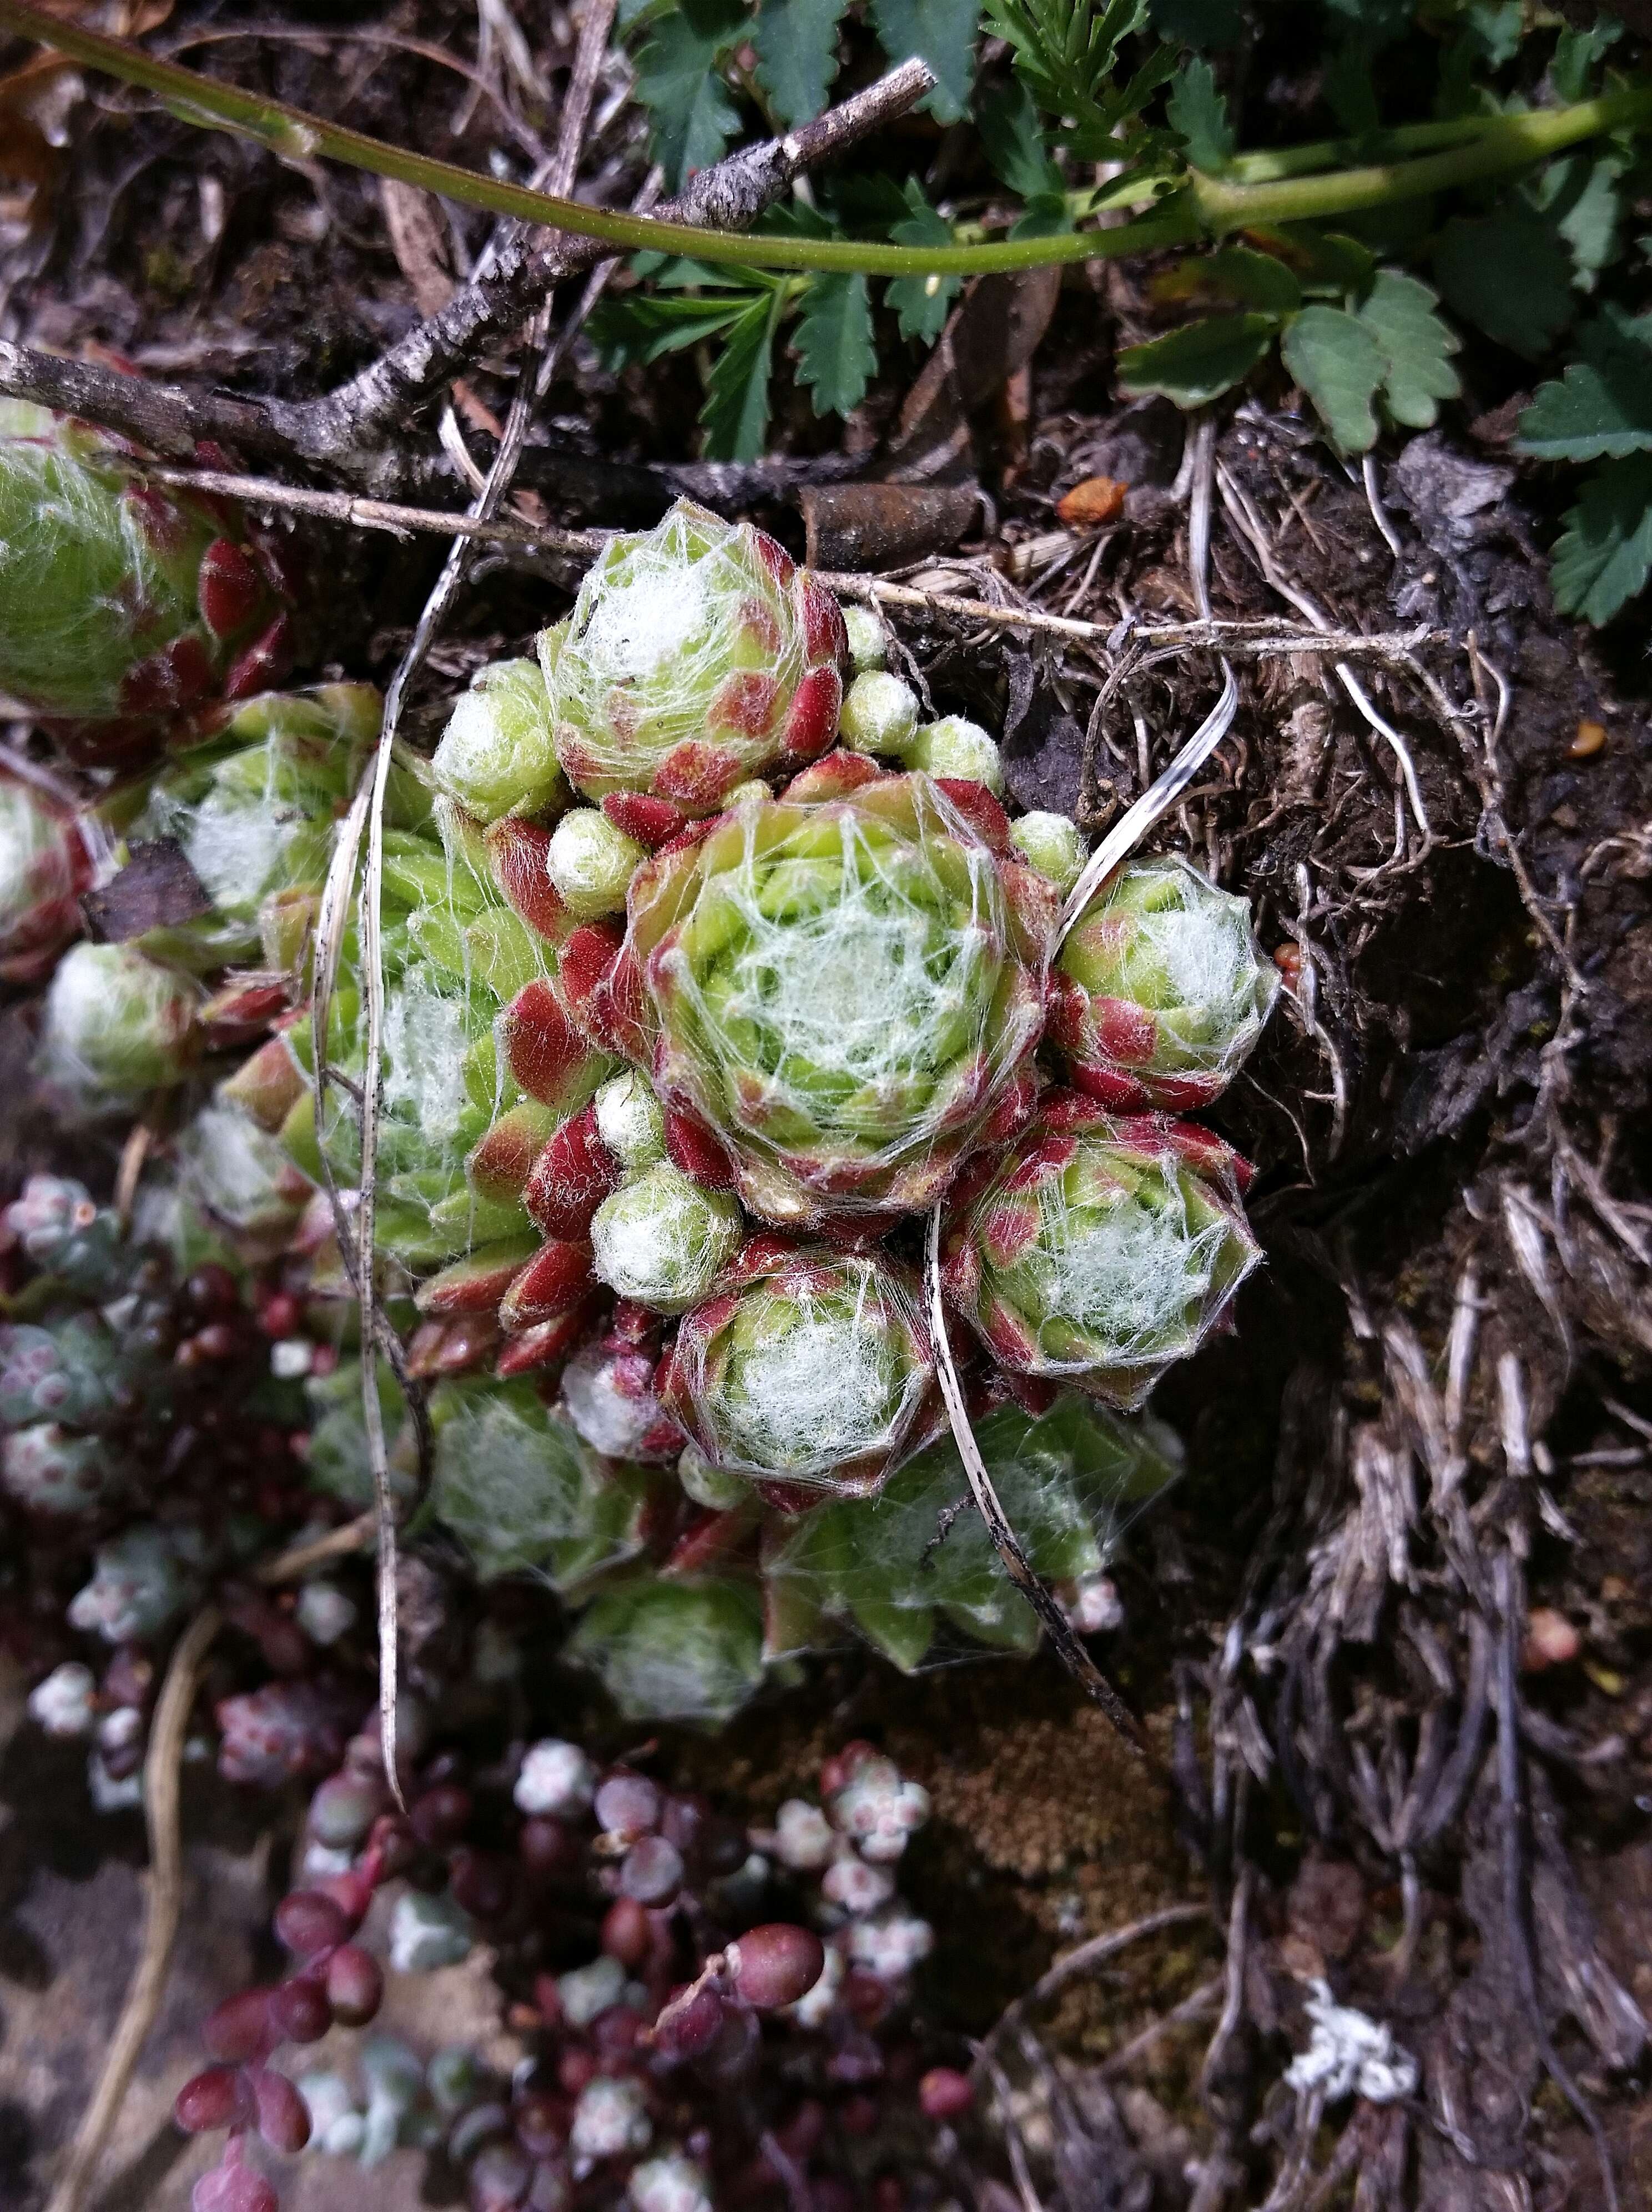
<point x="1207" y="206"/>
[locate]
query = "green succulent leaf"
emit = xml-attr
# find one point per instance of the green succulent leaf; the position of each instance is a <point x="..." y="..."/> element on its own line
<point x="1015" y="145"/>
<point x="922" y="303"/>
<point x="1416" y="347"/>
<point x="836" y="357"/>
<point x="1510" y="275"/>
<point x="939" y="31"/>
<point x="1198" y="111"/>
<point x="797" y="54"/>
<point x="1337" y="360"/>
<point x="735" y="416"/>
<point x="692" y="115"/>
<point x="1605" y="557"/>
<point x="1601" y="408"/>
<point x="1199" y="361"/>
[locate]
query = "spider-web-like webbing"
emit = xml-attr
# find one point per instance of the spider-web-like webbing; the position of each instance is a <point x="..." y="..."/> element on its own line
<point x="1127" y="1267"/>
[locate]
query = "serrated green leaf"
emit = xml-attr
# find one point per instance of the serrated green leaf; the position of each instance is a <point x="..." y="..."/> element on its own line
<point x="1601" y="408"/>
<point x="1047" y="217"/>
<point x="835" y="354"/>
<point x="1576" y="54"/>
<point x="1509" y="274"/>
<point x="1205" y="25"/>
<point x="691" y="115"/>
<point x="797" y="54"/>
<point x="645" y="326"/>
<point x="1578" y="199"/>
<point x="1416" y="347"/>
<point x="1340" y="365"/>
<point x="1066" y="54"/>
<point x="939" y="31"/>
<point x="1255" y="280"/>
<point x="1015" y="143"/>
<point x="1605" y="557"/>
<point x="1198" y="113"/>
<point x="922" y="303"/>
<point x="735" y="415"/>
<point x="1198" y="361"/>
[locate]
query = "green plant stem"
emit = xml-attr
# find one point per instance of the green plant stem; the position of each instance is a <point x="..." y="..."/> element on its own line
<point x="1207" y="207"/>
<point x="1267" y="167"/>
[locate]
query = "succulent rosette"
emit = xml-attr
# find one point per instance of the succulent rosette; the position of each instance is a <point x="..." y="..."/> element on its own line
<point x="251" y="803"/>
<point x="1100" y="1248"/>
<point x="846" y="988"/>
<point x="123" y="603"/>
<point x="45" y="863"/>
<point x="805" y="1366"/>
<point x="1159" y="992"/>
<point x="697" y="654"/>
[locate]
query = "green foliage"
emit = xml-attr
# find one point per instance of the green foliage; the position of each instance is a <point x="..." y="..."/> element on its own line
<point x="836" y="353"/>
<point x="1415" y="347"/>
<point x="1198" y="114"/>
<point x="1014" y="140"/>
<point x="1340" y="365"/>
<point x="797" y="54"/>
<point x="735" y="416"/>
<point x="1605" y="557"/>
<point x="921" y="303"/>
<point x="939" y="31"/>
<point x="1067" y="53"/>
<point x="1199" y="361"/>
<point x="678" y="82"/>
<point x="1601" y="408"/>
<point x="1509" y="275"/>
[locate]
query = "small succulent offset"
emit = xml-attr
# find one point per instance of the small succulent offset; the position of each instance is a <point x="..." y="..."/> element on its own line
<point x="1100" y="1248"/>
<point x="1159" y="992"/>
<point x="125" y="605"/>
<point x="697" y="655"/>
<point x="808" y="1366"/>
<point x="845" y="987"/>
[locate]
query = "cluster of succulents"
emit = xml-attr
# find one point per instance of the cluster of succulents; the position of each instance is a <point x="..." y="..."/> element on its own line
<point x="670" y="1080"/>
<point x="684" y="2046"/>
<point x="126" y="607"/>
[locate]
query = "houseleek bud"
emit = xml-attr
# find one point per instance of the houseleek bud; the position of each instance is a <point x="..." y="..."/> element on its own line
<point x="117" y="1024"/>
<point x="1050" y="843"/>
<point x="663" y="1240"/>
<point x="879" y="715"/>
<point x="955" y="747"/>
<point x="1159" y="992"/>
<point x="141" y="1581"/>
<point x="495" y="757"/>
<point x="669" y="1650"/>
<point x="868" y="639"/>
<point x="1101" y="1249"/>
<point x="629" y="1122"/>
<point x="697" y="656"/>
<point x="590" y="863"/>
<point x="847" y="991"/>
<point x="811" y="1368"/>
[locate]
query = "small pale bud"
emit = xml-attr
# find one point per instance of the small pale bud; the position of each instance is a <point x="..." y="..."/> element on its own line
<point x="805" y="1839"/>
<point x="555" y="1778"/>
<point x="117" y="1023"/>
<point x="591" y="863"/>
<point x="62" y="1704"/>
<point x="716" y="1488"/>
<point x="879" y="715"/>
<point x="428" y="1932"/>
<point x="1050" y="843"/>
<point x="868" y="638"/>
<point x="955" y="747"/>
<point x="663" y="1240"/>
<point x="629" y="1122"/>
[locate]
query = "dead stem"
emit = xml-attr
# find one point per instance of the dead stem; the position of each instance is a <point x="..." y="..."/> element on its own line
<point x="164" y="1906"/>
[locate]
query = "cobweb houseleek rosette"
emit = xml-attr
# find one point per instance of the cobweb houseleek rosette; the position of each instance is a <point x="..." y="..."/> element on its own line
<point x="1100" y="1248"/>
<point x="1159" y="993"/>
<point x="697" y="655"/>
<point x="124" y="605"/>
<point x="846" y="987"/>
<point x="805" y="1366"/>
